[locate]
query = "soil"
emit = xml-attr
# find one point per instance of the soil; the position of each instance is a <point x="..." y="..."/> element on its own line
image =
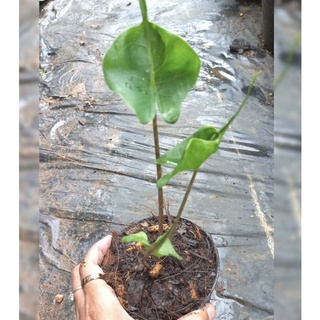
<point x="170" y="288"/>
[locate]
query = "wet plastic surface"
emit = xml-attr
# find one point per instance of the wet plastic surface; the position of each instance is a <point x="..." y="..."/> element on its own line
<point x="92" y="178"/>
<point x="287" y="149"/>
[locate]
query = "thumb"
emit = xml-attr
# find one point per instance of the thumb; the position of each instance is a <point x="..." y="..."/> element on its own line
<point x="208" y="312"/>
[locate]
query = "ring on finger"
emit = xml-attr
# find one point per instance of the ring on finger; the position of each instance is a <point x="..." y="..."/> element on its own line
<point x="71" y="294"/>
<point x="93" y="276"/>
<point x="76" y="289"/>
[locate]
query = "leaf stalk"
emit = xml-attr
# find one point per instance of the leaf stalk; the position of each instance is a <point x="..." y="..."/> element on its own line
<point x="159" y="174"/>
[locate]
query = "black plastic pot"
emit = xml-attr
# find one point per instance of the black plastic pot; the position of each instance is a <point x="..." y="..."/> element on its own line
<point x="179" y="288"/>
<point x="217" y="258"/>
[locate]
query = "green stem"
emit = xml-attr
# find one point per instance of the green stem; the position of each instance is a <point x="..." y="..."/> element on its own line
<point x="183" y="203"/>
<point x="159" y="174"/>
<point x="225" y="128"/>
<point x="170" y="233"/>
<point x="143" y="9"/>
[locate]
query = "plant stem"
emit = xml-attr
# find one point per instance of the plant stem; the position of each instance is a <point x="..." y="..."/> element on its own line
<point x="183" y="203"/>
<point x="159" y="174"/>
<point x="169" y="233"/>
<point x="226" y="126"/>
<point x="143" y="9"/>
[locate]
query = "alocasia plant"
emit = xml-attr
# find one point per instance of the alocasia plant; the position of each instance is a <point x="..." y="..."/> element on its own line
<point x="153" y="70"/>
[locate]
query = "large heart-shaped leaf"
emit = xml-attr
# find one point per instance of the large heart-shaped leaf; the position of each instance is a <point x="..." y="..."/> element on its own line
<point x="148" y="67"/>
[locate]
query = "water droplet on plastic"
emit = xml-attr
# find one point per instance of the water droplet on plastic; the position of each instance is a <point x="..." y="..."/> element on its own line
<point x="128" y="85"/>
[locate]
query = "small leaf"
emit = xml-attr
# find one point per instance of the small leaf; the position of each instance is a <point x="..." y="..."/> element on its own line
<point x="190" y="153"/>
<point x="166" y="249"/>
<point x="157" y="249"/>
<point x="137" y="237"/>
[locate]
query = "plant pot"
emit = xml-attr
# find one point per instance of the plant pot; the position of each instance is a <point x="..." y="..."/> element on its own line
<point x="170" y="288"/>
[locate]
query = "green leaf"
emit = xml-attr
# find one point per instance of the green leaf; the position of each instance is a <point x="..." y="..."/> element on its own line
<point x="137" y="237"/>
<point x="165" y="249"/>
<point x="190" y="153"/>
<point x="160" y="248"/>
<point x="149" y="67"/>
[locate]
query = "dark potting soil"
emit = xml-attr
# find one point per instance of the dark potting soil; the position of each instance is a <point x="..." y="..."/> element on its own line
<point x="170" y="288"/>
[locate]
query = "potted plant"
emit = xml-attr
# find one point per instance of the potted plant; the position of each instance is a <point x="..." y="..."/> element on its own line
<point x="165" y="266"/>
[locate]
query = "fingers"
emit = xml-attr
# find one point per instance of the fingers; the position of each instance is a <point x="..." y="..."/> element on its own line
<point x="208" y="312"/>
<point x="86" y="298"/>
<point x="97" y="252"/>
<point x="94" y="257"/>
<point x="90" y="265"/>
<point x="78" y="294"/>
<point x="96" y="299"/>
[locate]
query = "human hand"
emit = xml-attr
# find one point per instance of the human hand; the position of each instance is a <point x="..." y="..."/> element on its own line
<point x="96" y="300"/>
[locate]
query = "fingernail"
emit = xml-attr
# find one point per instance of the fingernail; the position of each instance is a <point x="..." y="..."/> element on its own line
<point x="211" y="311"/>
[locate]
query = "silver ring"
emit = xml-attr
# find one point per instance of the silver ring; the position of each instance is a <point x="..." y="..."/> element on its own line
<point x="71" y="294"/>
<point x="76" y="289"/>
